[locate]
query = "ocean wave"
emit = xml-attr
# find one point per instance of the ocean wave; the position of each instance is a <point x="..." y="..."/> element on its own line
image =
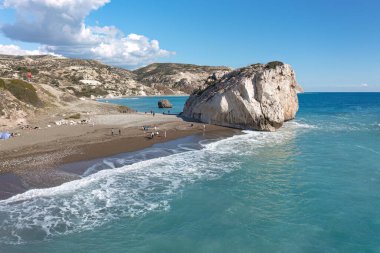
<point x="127" y="191"/>
<point x="296" y="124"/>
<point x="326" y="124"/>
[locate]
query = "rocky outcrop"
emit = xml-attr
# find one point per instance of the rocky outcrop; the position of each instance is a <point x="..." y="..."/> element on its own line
<point x="258" y="97"/>
<point x="164" y="103"/>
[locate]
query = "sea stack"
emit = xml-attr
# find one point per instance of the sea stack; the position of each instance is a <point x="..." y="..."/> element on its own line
<point x="257" y="97"/>
<point x="164" y="103"/>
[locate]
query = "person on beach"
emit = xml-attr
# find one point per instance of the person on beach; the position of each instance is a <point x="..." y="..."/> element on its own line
<point x="165" y="134"/>
<point x="151" y="135"/>
<point x="119" y="131"/>
<point x="154" y="114"/>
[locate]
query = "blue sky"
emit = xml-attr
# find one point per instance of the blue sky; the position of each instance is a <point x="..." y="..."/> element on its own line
<point x="332" y="45"/>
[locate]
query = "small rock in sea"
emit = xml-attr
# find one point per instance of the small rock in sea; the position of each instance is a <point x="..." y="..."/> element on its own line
<point x="164" y="103"/>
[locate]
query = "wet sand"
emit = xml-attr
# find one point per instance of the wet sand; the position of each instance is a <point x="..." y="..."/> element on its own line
<point x="50" y="157"/>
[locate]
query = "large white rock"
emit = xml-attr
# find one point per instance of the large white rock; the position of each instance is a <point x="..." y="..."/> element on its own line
<point x="259" y="97"/>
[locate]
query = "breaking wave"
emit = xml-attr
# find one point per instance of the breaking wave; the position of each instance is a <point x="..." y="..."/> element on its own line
<point x="127" y="191"/>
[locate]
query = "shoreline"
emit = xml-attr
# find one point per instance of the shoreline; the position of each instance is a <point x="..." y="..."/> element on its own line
<point x="140" y="96"/>
<point x="34" y="163"/>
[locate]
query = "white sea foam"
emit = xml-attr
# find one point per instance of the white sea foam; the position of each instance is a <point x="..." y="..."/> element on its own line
<point x="368" y="149"/>
<point x="295" y="124"/>
<point x="128" y="191"/>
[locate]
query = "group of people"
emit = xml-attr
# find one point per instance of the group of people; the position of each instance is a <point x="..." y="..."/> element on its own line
<point x="154" y="131"/>
<point x="115" y="131"/>
<point x="151" y="112"/>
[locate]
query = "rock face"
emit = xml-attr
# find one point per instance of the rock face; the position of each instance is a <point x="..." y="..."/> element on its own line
<point x="164" y="103"/>
<point x="258" y="97"/>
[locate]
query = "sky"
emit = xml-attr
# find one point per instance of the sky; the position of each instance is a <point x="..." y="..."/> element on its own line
<point x="333" y="45"/>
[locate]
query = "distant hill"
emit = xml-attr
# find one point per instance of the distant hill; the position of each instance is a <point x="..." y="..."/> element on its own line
<point x="89" y="77"/>
<point x="34" y="85"/>
<point x="175" y="76"/>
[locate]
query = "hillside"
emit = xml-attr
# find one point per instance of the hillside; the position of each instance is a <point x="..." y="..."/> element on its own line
<point x="175" y="76"/>
<point x="66" y="85"/>
<point x="23" y="103"/>
<point x="78" y="77"/>
<point x="84" y="78"/>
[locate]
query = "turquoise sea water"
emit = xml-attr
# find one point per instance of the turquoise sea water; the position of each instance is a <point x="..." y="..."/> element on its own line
<point x="312" y="186"/>
<point x="147" y="104"/>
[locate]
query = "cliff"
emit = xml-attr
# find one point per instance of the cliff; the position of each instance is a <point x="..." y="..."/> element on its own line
<point x="259" y="97"/>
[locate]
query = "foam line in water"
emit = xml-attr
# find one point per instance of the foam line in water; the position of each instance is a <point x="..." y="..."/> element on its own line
<point x="128" y="191"/>
<point x="368" y="149"/>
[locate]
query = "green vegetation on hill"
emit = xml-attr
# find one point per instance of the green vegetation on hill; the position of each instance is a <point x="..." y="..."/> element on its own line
<point x="24" y="69"/>
<point x="88" y="91"/>
<point x="273" y="64"/>
<point x="167" y="69"/>
<point x="125" y="109"/>
<point x="23" y="91"/>
<point x="74" y="116"/>
<point x="2" y="84"/>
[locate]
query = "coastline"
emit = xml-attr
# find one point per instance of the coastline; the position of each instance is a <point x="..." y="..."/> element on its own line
<point x="141" y="96"/>
<point x="34" y="159"/>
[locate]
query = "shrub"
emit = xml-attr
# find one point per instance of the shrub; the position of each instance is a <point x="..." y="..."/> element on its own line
<point x="88" y="91"/>
<point x="273" y="64"/>
<point x="124" y="109"/>
<point x="23" y="69"/>
<point x="75" y="79"/>
<point x="135" y="90"/>
<point x="2" y="84"/>
<point x="74" y="116"/>
<point x="55" y="82"/>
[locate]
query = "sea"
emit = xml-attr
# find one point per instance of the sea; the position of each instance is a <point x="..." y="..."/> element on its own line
<point x="311" y="186"/>
<point x="150" y="103"/>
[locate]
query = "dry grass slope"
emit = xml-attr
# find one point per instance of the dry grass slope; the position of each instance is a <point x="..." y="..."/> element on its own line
<point x="23" y="91"/>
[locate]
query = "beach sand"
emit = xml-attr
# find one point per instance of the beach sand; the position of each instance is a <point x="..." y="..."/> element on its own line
<point x="31" y="160"/>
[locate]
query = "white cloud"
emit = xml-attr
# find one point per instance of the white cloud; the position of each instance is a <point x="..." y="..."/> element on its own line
<point x="53" y="22"/>
<point x="58" y="25"/>
<point x="132" y="50"/>
<point x="364" y="85"/>
<point x="16" y="50"/>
